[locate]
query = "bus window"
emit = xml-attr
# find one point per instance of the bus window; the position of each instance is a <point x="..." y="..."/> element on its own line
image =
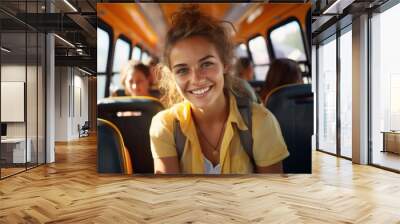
<point x="258" y="51"/>
<point x="136" y="54"/>
<point x="121" y="56"/>
<point x="103" y="46"/>
<point x="101" y="86"/>
<point x="287" y="42"/>
<point x="146" y="58"/>
<point x="241" y="51"/>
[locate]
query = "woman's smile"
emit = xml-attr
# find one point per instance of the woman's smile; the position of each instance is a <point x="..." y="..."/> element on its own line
<point x="200" y="92"/>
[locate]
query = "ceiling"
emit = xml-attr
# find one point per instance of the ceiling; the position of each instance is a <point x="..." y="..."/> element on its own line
<point x="330" y="16"/>
<point x="74" y="21"/>
<point x="147" y="23"/>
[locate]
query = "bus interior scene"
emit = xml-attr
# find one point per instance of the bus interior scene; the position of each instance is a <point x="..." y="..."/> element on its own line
<point x="75" y="138"/>
<point x="134" y="33"/>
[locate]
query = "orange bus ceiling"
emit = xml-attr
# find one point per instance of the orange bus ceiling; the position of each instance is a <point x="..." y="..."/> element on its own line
<point x="273" y="14"/>
<point x="126" y="19"/>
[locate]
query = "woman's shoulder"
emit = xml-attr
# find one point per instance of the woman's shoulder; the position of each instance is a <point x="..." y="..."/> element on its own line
<point x="259" y="111"/>
<point x="167" y="116"/>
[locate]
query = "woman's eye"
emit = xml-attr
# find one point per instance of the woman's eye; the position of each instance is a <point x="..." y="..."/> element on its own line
<point x="206" y="64"/>
<point x="182" y="71"/>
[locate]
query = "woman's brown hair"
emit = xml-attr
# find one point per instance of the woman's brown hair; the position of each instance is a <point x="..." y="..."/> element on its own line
<point x="281" y="72"/>
<point x="189" y="21"/>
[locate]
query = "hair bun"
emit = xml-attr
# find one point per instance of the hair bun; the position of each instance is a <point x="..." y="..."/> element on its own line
<point x="188" y="13"/>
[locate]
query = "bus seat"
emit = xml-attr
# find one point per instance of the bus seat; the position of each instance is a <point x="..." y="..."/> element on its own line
<point x="112" y="155"/>
<point x="153" y="92"/>
<point x="132" y="115"/>
<point x="292" y="106"/>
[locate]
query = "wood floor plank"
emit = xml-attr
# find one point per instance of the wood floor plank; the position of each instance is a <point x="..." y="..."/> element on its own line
<point x="71" y="191"/>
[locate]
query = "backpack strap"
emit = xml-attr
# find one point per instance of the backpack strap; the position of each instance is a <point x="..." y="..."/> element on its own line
<point x="246" y="137"/>
<point x="179" y="137"/>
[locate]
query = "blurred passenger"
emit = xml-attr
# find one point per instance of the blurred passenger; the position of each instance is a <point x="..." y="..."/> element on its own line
<point x="245" y="69"/>
<point x="135" y="79"/>
<point x="281" y="72"/>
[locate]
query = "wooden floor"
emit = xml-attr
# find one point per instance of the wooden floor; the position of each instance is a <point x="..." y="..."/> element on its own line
<point x="10" y="171"/>
<point x="70" y="191"/>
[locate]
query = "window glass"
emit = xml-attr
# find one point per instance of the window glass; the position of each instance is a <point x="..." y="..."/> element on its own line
<point x="260" y="72"/>
<point x="103" y="46"/>
<point x="101" y="86"/>
<point x="115" y="82"/>
<point x="259" y="53"/>
<point x="327" y="97"/>
<point x="346" y="94"/>
<point x="258" y="50"/>
<point x="146" y="58"/>
<point x="16" y="93"/>
<point x="385" y="88"/>
<point x="241" y="51"/>
<point x="121" y="54"/>
<point x="136" y="53"/>
<point x="287" y="42"/>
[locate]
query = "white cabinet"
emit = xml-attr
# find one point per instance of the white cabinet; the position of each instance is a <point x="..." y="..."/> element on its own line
<point x="17" y="145"/>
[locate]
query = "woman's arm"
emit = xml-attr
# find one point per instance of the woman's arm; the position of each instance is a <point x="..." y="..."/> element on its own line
<point x="274" y="168"/>
<point x="166" y="165"/>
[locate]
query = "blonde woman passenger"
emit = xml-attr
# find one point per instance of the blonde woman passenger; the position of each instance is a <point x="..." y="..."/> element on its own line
<point x="135" y="79"/>
<point x="200" y="93"/>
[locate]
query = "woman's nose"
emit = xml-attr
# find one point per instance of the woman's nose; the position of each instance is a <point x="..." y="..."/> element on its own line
<point x="198" y="74"/>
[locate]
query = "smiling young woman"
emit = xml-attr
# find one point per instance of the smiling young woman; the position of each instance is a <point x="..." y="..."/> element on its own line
<point x="200" y="90"/>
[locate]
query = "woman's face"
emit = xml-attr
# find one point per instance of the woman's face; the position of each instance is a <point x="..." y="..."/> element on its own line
<point x="198" y="71"/>
<point x="136" y="84"/>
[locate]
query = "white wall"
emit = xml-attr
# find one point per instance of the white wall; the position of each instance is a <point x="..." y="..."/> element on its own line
<point x="71" y="94"/>
<point x="61" y="103"/>
<point x="13" y="73"/>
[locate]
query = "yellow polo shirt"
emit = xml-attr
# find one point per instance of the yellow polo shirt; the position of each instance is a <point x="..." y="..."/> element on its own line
<point x="268" y="144"/>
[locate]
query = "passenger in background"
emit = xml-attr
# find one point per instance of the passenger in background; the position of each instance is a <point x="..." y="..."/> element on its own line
<point x="245" y="71"/>
<point x="281" y="72"/>
<point x="135" y="79"/>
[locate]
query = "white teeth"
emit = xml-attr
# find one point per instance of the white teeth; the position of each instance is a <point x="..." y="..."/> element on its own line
<point x="200" y="91"/>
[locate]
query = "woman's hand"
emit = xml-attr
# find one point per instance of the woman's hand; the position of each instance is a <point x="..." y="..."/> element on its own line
<point x="166" y="165"/>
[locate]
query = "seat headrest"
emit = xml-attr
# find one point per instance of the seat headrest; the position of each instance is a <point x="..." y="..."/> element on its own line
<point x="291" y="91"/>
<point x="143" y="104"/>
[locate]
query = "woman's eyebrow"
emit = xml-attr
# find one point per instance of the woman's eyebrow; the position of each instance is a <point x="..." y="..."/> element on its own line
<point x="200" y="60"/>
<point x="179" y="65"/>
<point x="205" y="58"/>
